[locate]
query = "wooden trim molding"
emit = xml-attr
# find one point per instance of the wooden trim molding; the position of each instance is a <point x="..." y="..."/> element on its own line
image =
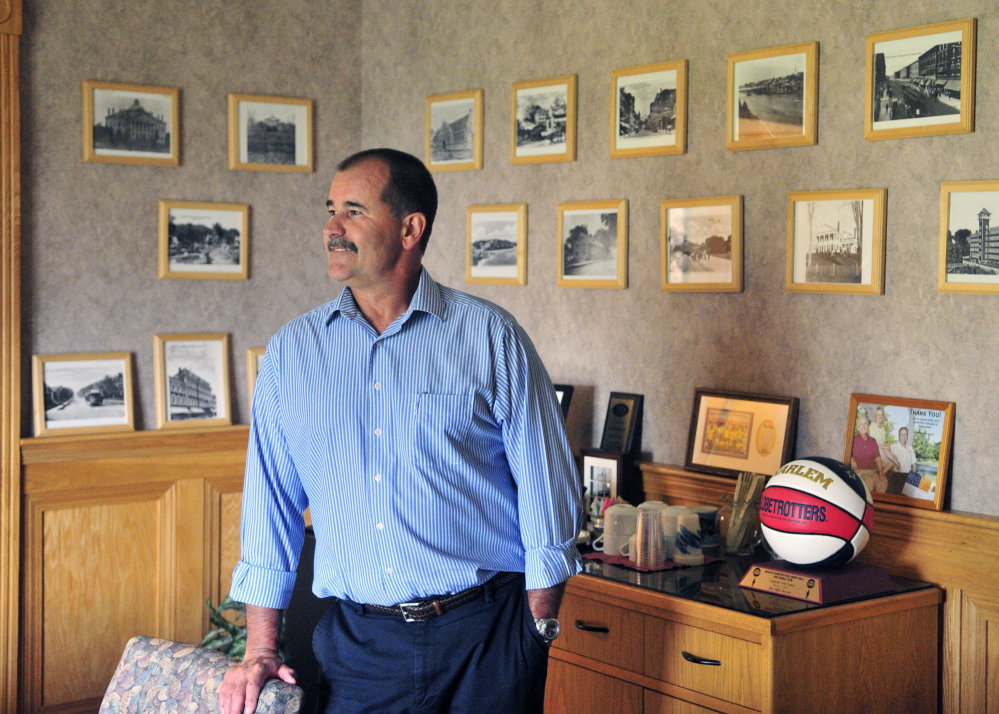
<point x="10" y="348"/>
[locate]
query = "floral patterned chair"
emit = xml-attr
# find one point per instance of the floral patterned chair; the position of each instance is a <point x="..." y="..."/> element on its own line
<point x="162" y="676"/>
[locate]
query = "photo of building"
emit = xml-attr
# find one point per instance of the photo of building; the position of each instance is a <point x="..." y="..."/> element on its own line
<point x="133" y="128"/>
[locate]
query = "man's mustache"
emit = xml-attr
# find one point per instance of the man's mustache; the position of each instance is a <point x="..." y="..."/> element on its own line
<point x="340" y="244"/>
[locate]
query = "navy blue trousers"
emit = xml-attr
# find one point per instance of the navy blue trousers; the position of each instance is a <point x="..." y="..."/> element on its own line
<point x="485" y="656"/>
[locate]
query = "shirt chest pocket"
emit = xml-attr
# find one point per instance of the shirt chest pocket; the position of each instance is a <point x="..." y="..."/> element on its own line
<point x="442" y="422"/>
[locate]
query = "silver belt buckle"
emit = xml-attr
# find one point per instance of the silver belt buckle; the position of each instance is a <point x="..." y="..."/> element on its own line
<point x="405" y="615"/>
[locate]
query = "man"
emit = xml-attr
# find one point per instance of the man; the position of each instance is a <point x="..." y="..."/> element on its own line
<point x="420" y="427"/>
<point x="865" y="457"/>
<point x="903" y="452"/>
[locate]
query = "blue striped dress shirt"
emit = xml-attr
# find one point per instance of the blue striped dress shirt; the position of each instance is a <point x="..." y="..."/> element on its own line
<point x="431" y="456"/>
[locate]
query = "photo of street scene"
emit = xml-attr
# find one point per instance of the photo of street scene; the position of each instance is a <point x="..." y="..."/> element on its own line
<point x="194" y="373"/>
<point x="972" y="240"/>
<point x="84" y="393"/>
<point x="589" y="244"/>
<point x="205" y="240"/>
<point x="541" y="120"/>
<point x="832" y="241"/>
<point x="699" y="242"/>
<point x="917" y="81"/>
<point x="494" y="238"/>
<point x="271" y="133"/>
<point x="452" y="127"/>
<point x="770" y="97"/>
<point x="132" y="124"/>
<point x="646" y="110"/>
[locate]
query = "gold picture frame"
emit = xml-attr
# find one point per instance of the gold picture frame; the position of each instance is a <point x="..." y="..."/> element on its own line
<point x="200" y="397"/>
<point x="895" y="86"/>
<point x="140" y="125"/>
<point x="964" y="265"/>
<point x="657" y="134"/>
<point x="541" y="137"/>
<point x="213" y="234"/>
<point x="75" y="393"/>
<point x="770" y="115"/>
<point x="845" y="250"/>
<point x="586" y="260"/>
<point x="273" y="134"/>
<point x="253" y="357"/>
<point x="450" y="118"/>
<point x="489" y="231"/>
<point x="703" y="263"/>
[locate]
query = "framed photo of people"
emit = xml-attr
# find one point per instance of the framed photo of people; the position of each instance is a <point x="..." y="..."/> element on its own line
<point x="732" y="432"/>
<point x="969" y="242"/>
<point x="204" y="241"/>
<point x="649" y="110"/>
<point x="773" y="97"/>
<point x="192" y="380"/>
<point x="254" y="356"/>
<point x="131" y="124"/>
<point x="543" y="122"/>
<point x="836" y="241"/>
<point x="454" y="131"/>
<point x="270" y="133"/>
<point x="593" y="244"/>
<point x="701" y="241"/>
<point x="496" y="244"/>
<point x="921" y="81"/>
<point x="901" y="448"/>
<point x="82" y="393"/>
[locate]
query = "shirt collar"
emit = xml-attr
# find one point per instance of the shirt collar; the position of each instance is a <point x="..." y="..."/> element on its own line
<point x="427" y="298"/>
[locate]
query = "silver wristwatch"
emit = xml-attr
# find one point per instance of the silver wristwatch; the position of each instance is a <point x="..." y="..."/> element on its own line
<point x="548" y="627"/>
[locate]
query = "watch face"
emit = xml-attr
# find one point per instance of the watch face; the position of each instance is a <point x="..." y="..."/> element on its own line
<point x="549" y="628"/>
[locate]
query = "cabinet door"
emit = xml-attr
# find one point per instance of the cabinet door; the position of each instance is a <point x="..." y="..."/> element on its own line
<point x="656" y="703"/>
<point x="574" y="690"/>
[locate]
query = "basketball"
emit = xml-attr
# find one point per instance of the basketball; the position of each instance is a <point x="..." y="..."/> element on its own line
<point x="816" y="512"/>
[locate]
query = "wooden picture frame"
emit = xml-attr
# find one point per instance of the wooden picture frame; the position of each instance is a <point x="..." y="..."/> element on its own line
<point x="139" y="124"/>
<point x="253" y="357"/>
<point x="496" y="244"/>
<point x="903" y="474"/>
<point x="198" y="395"/>
<point x="584" y="260"/>
<point x="451" y="118"/>
<point x="204" y="241"/>
<point x="905" y="99"/>
<point x="661" y="90"/>
<point x="542" y="135"/>
<point x="968" y="264"/>
<point x="282" y="141"/>
<point x="768" y="106"/>
<point x="82" y="393"/>
<point x="733" y="432"/>
<point x="697" y="256"/>
<point x="825" y="257"/>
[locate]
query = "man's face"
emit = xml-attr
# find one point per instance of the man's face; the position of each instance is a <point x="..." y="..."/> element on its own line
<point x="903" y="436"/>
<point x="363" y="240"/>
<point x="862" y="426"/>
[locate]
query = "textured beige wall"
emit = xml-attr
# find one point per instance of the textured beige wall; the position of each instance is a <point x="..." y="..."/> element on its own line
<point x="90" y="229"/>
<point x="912" y="342"/>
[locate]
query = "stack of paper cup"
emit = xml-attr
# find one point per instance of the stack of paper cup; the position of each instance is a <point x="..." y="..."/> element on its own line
<point x="688" y="540"/>
<point x="649" y="539"/>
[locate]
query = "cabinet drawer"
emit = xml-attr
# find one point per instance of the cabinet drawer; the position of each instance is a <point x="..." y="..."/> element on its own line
<point x="656" y="703"/>
<point x="737" y="677"/>
<point x="574" y="690"/>
<point x="602" y="632"/>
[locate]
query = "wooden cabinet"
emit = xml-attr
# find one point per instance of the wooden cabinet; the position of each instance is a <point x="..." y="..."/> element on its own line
<point x="628" y="649"/>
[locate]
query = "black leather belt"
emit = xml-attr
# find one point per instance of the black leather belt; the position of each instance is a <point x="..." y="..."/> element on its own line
<point x="423" y="610"/>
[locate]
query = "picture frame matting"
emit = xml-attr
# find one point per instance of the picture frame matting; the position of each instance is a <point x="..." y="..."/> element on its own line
<point x="444" y="150"/>
<point x="271" y="134"/>
<point x="82" y="391"/>
<point x="488" y="260"/>
<point x="697" y="277"/>
<point x="214" y="405"/>
<point x="572" y="260"/>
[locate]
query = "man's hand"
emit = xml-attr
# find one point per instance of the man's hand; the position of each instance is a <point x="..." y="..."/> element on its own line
<point x="242" y="684"/>
<point x="545" y="602"/>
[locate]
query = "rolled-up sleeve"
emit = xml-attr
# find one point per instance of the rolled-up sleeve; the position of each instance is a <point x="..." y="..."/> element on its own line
<point x="272" y="528"/>
<point x="548" y="487"/>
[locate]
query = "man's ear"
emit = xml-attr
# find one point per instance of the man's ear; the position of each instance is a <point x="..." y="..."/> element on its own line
<point x="413" y="226"/>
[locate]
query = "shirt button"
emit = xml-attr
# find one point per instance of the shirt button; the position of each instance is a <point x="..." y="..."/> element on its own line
<point x="380" y="526"/>
<point x="378" y="432"/>
<point x="388" y="571"/>
<point x="378" y="477"/>
<point x="378" y="385"/>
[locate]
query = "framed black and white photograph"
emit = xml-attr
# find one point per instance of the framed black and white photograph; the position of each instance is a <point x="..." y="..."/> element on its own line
<point x="131" y="124"/>
<point x="921" y="81"/>
<point x="192" y="380"/>
<point x="270" y="133"/>
<point x="82" y="393"/>
<point x="497" y="244"/>
<point x="454" y="131"/>
<point x="254" y="356"/>
<point x="602" y="473"/>
<point x="204" y="241"/>
<point x="543" y="126"/>
<point x="701" y="242"/>
<point x="773" y="97"/>
<point x="593" y="244"/>
<point x="969" y="243"/>
<point x="649" y="110"/>
<point x="836" y="241"/>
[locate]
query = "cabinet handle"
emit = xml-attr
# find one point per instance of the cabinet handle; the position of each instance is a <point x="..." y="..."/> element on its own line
<point x="580" y="625"/>
<point x="700" y="660"/>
